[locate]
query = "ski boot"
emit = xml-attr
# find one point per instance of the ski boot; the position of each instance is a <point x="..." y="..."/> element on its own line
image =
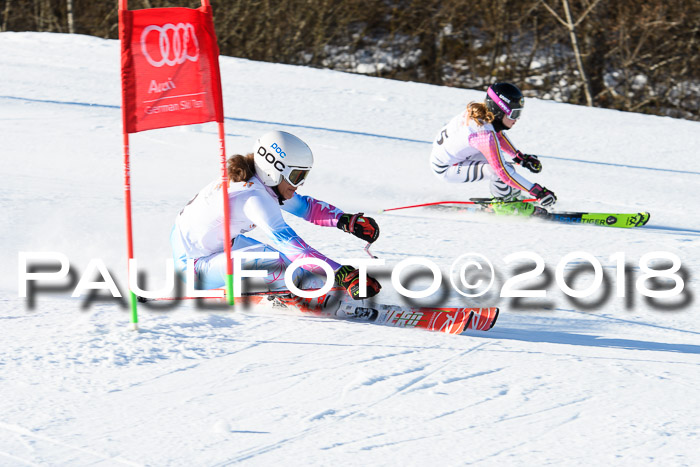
<point x="350" y="309"/>
<point x="511" y="206"/>
<point x="540" y="212"/>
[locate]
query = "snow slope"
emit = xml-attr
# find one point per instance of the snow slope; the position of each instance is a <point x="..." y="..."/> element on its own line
<point x="604" y="380"/>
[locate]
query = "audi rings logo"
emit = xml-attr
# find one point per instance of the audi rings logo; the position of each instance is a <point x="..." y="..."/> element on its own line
<point x="176" y="43"/>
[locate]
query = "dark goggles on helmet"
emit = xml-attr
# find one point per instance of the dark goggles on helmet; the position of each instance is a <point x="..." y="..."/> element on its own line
<point x="296" y="177"/>
<point x="513" y="114"/>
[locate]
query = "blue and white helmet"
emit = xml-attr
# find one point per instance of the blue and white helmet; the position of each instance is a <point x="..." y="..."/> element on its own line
<point x="278" y="155"/>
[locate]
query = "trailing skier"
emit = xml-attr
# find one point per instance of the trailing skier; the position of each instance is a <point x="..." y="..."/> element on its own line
<point x="261" y="185"/>
<point x="473" y="147"/>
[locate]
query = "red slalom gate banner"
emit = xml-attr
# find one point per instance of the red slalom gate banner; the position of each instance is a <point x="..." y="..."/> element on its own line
<point x="170" y="68"/>
<point x="170" y="76"/>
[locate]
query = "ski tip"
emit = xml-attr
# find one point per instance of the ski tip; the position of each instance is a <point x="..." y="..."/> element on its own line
<point x="483" y="319"/>
<point x="495" y="317"/>
<point x="638" y="220"/>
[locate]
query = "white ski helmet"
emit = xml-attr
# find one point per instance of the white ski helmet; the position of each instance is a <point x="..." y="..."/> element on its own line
<point x="280" y="154"/>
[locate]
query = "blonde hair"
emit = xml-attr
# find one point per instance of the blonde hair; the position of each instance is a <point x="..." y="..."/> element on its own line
<point x="479" y="112"/>
<point x="240" y="168"/>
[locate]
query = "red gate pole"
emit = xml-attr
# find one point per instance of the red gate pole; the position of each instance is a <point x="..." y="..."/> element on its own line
<point x="227" y="214"/>
<point x="127" y="201"/>
<point x="129" y="233"/>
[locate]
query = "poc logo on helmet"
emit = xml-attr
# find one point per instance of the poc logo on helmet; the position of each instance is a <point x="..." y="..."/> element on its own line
<point x="271" y="159"/>
<point x="279" y="150"/>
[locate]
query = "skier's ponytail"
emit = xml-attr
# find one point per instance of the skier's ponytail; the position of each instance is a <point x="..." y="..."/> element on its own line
<point x="479" y="112"/>
<point x="240" y="168"/>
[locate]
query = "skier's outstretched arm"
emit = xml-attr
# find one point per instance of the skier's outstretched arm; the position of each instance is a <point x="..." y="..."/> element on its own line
<point x="321" y="213"/>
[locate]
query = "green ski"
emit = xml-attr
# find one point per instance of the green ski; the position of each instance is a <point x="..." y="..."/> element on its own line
<point x="519" y="208"/>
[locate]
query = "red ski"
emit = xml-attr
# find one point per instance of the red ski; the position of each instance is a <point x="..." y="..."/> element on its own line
<point x="336" y="304"/>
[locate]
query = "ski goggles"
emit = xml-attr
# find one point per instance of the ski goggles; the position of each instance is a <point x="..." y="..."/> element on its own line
<point x="513" y="114"/>
<point x="295" y="177"/>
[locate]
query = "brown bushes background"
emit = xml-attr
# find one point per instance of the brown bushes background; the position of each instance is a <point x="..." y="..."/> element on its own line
<point x="622" y="54"/>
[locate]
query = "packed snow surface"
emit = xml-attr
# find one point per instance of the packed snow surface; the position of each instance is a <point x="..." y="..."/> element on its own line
<point x="601" y="380"/>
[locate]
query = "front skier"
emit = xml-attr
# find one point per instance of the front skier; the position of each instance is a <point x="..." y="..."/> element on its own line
<point x="473" y="146"/>
<point x="261" y="185"/>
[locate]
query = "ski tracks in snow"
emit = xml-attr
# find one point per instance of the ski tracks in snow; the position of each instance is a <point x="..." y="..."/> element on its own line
<point x="69" y="457"/>
<point x="331" y="417"/>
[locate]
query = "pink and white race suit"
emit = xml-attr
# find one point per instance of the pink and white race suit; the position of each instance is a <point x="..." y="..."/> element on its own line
<point x="199" y="234"/>
<point x="464" y="151"/>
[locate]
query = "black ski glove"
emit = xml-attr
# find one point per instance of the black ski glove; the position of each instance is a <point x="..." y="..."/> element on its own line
<point x="360" y="226"/>
<point x="543" y="195"/>
<point x="349" y="278"/>
<point x="530" y="162"/>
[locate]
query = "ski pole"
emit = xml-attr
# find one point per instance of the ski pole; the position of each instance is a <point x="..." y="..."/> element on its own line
<point x="369" y="252"/>
<point x="455" y="202"/>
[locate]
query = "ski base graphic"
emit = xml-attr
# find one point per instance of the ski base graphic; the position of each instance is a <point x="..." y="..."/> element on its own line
<point x="335" y="304"/>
